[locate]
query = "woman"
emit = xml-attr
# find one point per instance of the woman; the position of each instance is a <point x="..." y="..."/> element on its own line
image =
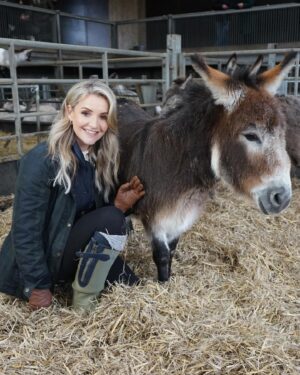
<point x="66" y="226"/>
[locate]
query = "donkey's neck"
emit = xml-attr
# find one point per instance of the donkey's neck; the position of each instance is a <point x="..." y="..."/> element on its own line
<point x="190" y="130"/>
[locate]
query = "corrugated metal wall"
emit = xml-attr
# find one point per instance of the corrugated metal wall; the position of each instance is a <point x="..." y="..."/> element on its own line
<point x="27" y="24"/>
<point x="233" y="29"/>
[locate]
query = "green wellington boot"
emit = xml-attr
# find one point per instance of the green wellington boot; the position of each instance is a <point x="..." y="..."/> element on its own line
<point x="93" y="268"/>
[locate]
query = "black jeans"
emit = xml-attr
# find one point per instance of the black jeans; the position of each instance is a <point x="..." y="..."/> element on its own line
<point x="108" y="219"/>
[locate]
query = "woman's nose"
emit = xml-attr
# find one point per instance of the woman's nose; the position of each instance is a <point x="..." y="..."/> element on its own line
<point x="94" y="123"/>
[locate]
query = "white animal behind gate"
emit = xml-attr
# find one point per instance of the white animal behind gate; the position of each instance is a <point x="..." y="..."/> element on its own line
<point x="20" y="57"/>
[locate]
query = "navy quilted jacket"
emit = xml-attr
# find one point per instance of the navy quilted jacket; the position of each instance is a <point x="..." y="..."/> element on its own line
<point x="43" y="216"/>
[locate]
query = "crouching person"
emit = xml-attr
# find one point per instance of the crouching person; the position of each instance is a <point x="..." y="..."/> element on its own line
<point x="68" y="217"/>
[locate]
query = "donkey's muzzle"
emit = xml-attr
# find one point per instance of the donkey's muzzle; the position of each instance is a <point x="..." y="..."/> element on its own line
<point x="274" y="200"/>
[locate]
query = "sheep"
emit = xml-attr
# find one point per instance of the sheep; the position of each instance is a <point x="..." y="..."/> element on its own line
<point x="20" y="57"/>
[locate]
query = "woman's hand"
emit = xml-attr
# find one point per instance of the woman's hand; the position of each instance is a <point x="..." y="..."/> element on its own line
<point x="40" y="298"/>
<point x="129" y="193"/>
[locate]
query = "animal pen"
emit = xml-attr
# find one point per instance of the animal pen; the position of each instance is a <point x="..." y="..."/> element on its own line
<point x="232" y="305"/>
<point x="173" y="64"/>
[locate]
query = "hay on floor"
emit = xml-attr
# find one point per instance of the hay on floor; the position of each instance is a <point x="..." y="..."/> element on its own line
<point x="232" y="306"/>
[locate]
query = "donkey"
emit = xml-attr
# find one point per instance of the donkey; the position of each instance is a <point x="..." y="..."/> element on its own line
<point x="227" y="129"/>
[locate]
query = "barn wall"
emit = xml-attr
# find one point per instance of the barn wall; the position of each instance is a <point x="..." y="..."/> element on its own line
<point x="81" y="32"/>
<point x="158" y="8"/>
<point x="129" y="36"/>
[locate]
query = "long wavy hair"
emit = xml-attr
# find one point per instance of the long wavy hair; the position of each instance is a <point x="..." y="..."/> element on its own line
<point x="104" y="154"/>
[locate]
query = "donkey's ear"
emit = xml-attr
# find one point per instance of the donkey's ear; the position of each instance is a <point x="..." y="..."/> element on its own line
<point x="189" y="78"/>
<point x="231" y="64"/>
<point x="271" y="79"/>
<point x="220" y="84"/>
<point x="254" y="68"/>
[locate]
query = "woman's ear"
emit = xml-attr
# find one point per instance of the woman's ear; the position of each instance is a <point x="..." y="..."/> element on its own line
<point x="69" y="111"/>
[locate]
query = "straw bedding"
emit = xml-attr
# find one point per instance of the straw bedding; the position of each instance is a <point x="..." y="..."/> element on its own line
<point x="232" y="306"/>
<point x="9" y="148"/>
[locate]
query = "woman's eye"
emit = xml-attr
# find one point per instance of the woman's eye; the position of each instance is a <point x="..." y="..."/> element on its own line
<point x="84" y="113"/>
<point x="252" y="137"/>
<point x="103" y="117"/>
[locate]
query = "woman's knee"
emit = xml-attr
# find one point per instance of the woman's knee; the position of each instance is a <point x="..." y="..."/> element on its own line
<point x="114" y="220"/>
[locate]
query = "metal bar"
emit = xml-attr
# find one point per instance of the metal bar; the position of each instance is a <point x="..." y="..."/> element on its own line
<point x="208" y="13"/>
<point x="85" y="18"/>
<point x="170" y="24"/>
<point x="244" y="52"/>
<point x="142" y="20"/>
<point x="166" y="75"/>
<point x="182" y="70"/>
<point x="28" y="135"/>
<point x="7" y="116"/>
<point x="60" y="71"/>
<point x="80" y="75"/>
<point x="7" y="137"/>
<point x="88" y="61"/>
<point x="86" y="32"/>
<point x="50" y="11"/>
<point x="297" y="67"/>
<point x="76" y="48"/>
<point x="26" y="81"/>
<point x="26" y="7"/>
<point x="37" y="114"/>
<point x="6" y="81"/>
<point x="114" y="35"/>
<point x="213" y="13"/>
<point x="105" y="68"/>
<point x="38" y="120"/>
<point x="15" y="95"/>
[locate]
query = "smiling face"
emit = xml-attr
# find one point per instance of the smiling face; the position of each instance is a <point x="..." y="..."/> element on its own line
<point x="89" y="120"/>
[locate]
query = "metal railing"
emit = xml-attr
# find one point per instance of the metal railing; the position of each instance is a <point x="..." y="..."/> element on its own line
<point x="81" y="56"/>
<point x="174" y="63"/>
<point x="33" y="23"/>
<point x="259" y="25"/>
<point x="255" y="26"/>
<point x="289" y="86"/>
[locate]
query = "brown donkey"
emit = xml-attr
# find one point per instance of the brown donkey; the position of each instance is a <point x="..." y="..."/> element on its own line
<point x="228" y="129"/>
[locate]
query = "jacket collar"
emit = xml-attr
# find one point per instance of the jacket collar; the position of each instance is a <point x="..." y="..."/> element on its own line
<point x="77" y="151"/>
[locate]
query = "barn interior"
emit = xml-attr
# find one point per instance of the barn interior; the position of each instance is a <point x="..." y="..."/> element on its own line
<point x="138" y="46"/>
<point x="232" y="304"/>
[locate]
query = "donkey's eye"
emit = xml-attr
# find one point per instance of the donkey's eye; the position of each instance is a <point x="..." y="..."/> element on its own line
<point x="252" y="137"/>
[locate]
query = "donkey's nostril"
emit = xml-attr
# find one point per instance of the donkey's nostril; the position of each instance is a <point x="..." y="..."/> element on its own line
<point x="276" y="198"/>
<point x="279" y="198"/>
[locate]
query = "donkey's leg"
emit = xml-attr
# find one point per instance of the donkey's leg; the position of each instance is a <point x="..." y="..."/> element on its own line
<point x="161" y="257"/>
<point x="172" y="247"/>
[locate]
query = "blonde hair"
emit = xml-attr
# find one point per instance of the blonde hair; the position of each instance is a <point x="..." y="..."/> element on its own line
<point x="104" y="153"/>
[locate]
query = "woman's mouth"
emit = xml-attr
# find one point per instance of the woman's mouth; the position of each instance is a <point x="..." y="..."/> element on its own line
<point x="91" y="132"/>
